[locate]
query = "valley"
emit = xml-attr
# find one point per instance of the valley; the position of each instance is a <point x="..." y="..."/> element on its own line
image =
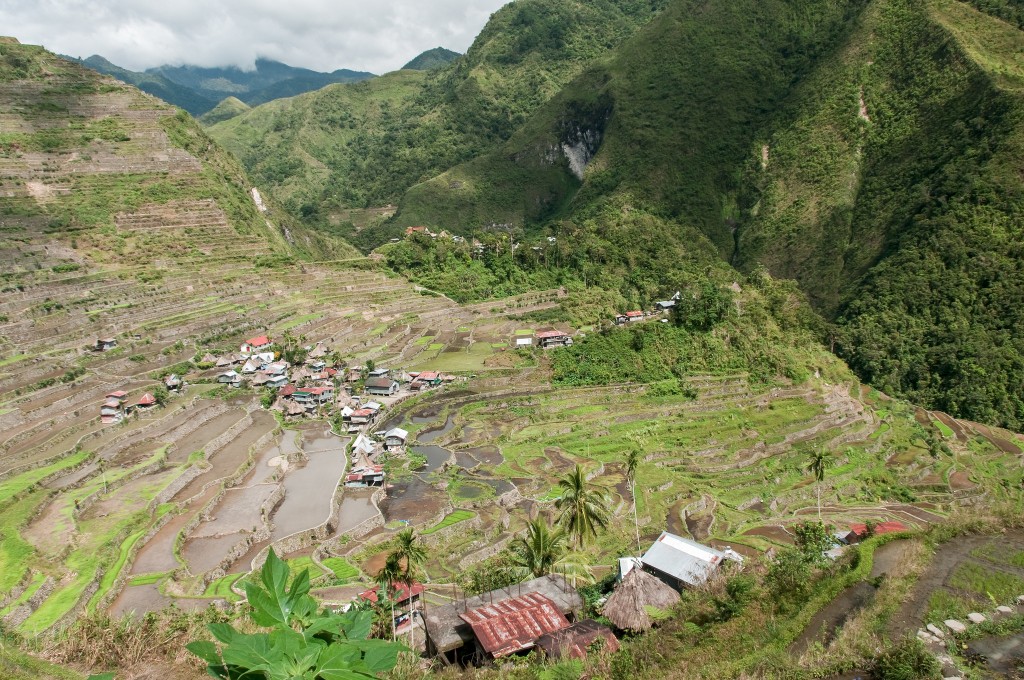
<point x="197" y="371"/>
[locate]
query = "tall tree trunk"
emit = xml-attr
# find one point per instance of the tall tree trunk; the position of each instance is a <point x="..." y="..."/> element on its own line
<point x="819" y="501"/>
<point x="636" y="522"/>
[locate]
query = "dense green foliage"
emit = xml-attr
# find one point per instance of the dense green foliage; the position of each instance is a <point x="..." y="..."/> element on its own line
<point x="768" y="332"/>
<point x="868" y="150"/>
<point x="431" y="59"/>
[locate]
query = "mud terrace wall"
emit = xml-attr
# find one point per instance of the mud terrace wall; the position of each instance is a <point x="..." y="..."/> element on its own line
<point x="485" y="552"/>
<point x="18" y="615"/>
<point x="122" y="579"/>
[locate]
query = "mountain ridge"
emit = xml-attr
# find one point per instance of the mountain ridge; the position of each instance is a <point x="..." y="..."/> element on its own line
<point x="199" y="89"/>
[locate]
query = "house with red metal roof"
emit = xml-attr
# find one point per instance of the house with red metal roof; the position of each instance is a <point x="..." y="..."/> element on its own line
<point x="147" y="400"/>
<point x="502" y="621"/>
<point x="553" y="338"/>
<point x="257" y="344"/>
<point x="858" y="532"/>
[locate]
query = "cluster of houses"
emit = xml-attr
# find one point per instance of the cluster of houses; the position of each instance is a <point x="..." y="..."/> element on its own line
<point x="116" y="406"/>
<point x="543" y="613"/>
<point x="637" y="315"/>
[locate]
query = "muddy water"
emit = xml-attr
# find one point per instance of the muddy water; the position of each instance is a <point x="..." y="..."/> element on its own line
<point x="488" y="455"/>
<point x="263" y="472"/>
<point x="1004" y="655"/>
<point x="308" y="490"/>
<point x="356" y="508"/>
<point x="435" y="455"/>
<point x="158" y="553"/>
<point x="429" y="435"/>
<point x="139" y="600"/>
<point x="204" y="554"/>
<point x="413" y="500"/>
<point x="238" y="510"/>
<point x="226" y="461"/>
<point x="465" y="461"/>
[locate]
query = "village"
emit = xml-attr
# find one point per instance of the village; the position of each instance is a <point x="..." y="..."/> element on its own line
<point x="546" y="612"/>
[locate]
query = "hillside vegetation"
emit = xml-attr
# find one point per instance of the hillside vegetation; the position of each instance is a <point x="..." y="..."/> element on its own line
<point x="365" y="144"/>
<point x="868" y="150"/>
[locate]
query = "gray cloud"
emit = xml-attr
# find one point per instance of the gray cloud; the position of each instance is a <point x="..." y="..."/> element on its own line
<point x="319" y="34"/>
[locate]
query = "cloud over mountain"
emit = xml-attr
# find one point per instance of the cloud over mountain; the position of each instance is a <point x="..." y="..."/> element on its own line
<point x="319" y="34"/>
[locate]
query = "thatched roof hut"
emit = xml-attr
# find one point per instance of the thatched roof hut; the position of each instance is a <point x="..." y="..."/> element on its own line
<point x="627" y="606"/>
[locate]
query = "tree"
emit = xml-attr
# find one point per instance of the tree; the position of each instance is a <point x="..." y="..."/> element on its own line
<point x="583" y="509"/>
<point x="633" y="459"/>
<point x="412" y="554"/>
<point x="386" y="578"/>
<point x="302" y="642"/>
<point x="821" y="460"/>
<point x="542" y="551"/>
<point x="161" y="395"/>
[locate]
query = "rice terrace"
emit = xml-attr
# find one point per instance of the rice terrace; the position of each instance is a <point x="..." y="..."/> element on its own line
<point x="193" y="384"/>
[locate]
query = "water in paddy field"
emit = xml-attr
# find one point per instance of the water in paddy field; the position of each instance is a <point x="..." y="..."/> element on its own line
<point x="309" y="490"/>
<point x="435" y="455"/>
<point x="429" y="435"/>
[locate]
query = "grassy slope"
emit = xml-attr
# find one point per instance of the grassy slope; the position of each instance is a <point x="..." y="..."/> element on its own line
<point x="335" y="147"/>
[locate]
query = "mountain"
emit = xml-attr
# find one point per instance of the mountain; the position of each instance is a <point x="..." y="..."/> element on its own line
<point x="339" y="148"/>
<point x="198" y="90"/>
<point x="431" y="59"/>
<point x="268" y="80"/>
<point x="155" y="84"/>
<point x="228" y="108"/>
<point x="870" y="151"/>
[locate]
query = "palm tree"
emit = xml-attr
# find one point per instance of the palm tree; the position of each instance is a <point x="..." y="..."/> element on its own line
<point x="583" y="510"/>
<point x="386" y="578"/>
<point x="820" y="461"/>
<point x="410" y="552"/>
<point x="543" y="551"/>
<point x="632" y="463"/>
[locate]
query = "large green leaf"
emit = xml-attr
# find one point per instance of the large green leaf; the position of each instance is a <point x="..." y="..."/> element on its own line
<point x="205" y="650"/>
<point x="274" y="575"/>
<point x="267" y="609"/>
<point x="379" y="655"/>
<point x="356" y="625"/>
<point x="340" y="662"/>
<point x="253" y="652"/>
<point x="223" y="632"/>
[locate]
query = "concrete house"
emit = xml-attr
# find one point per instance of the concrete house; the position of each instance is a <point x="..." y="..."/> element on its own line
<point x="383" y="387"/>
<point x="553" y="338"/>
<point x="257" y="344"/>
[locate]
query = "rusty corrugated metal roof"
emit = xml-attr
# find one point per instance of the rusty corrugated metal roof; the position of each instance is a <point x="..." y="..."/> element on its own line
<point x="574" y="642"/>
<point x="511" y="625"/>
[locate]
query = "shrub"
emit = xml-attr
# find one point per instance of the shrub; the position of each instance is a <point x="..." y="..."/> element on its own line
<point x="907" y="660"/>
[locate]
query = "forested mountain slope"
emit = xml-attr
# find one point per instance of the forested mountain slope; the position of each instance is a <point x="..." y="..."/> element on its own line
<point x="365" y="144"/>
<point x="869" y="150"/>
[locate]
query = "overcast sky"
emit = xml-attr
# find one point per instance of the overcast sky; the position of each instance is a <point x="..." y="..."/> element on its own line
<point x="364" y="35"/>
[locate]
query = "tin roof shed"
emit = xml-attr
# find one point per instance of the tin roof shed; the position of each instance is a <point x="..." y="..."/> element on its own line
<point x="514" y="624"/>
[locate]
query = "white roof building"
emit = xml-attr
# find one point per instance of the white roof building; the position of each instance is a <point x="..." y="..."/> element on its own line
<point x="682" y="562"/>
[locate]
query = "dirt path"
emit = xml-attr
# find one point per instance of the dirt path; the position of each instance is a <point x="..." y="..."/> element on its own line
<point x="948" y="557"/>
